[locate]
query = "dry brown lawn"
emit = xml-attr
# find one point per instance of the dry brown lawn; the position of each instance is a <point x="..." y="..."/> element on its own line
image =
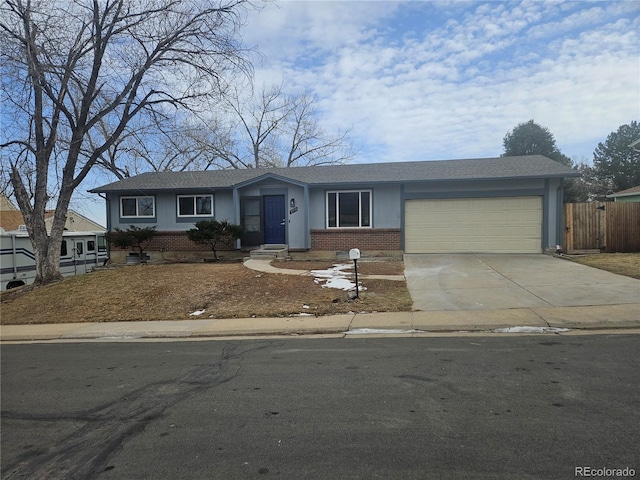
<point x="173" y="291"/>
<point x="621" y="263"/>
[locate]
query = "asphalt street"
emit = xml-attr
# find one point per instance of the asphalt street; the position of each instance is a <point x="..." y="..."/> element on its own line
<point x="527" y="407"/>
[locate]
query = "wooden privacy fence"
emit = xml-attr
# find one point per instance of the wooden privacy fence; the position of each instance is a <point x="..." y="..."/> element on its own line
<point x="606" y="227"/>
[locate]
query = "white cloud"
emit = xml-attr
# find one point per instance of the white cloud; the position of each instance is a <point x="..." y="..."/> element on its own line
<point x="443" y="79"/>
<point x="427" y="80"/>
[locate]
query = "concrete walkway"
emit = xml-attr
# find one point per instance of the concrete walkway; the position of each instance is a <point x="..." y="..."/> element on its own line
<point x="265" y="266"/>
<point x="611" y="318"/>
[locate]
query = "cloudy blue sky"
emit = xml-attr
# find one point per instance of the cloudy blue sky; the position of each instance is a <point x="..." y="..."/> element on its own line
<point x="429" y="80"/>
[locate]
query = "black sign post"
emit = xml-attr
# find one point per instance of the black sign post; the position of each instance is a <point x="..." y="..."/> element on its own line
<point x="354" y="254"/>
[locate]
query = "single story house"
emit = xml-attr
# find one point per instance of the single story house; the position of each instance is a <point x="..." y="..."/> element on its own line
<point x="629" y="195"/>
<point x="505" y="204"/>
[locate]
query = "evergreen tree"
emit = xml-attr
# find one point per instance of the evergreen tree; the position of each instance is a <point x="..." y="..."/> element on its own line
<point x="616" y="166"/>
<point x="529" y="138"/>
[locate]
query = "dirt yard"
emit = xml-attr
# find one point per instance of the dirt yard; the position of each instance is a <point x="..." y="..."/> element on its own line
<point x="174" y="291"/>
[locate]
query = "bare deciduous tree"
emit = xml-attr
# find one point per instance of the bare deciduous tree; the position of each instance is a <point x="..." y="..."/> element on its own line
<point x="277" y="130"/>
<point x="173" y="144"/>
<point x="76" y="75"/>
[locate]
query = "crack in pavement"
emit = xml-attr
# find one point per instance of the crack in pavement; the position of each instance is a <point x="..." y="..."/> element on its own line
<point x="84" y="453"/>
<point x="513" y="281"/>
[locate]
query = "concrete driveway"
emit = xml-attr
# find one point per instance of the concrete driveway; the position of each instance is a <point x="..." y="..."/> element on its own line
<point x="501" y="281"/>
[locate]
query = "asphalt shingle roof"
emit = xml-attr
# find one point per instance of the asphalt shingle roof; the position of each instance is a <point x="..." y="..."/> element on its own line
<point x="11" y="219"/>
<point x="628" y="191"/>
<point x="532" y="166"/>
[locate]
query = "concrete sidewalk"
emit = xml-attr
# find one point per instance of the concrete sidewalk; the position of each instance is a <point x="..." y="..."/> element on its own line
<point x="535" y="319"/>
<point x="620" y="318"/>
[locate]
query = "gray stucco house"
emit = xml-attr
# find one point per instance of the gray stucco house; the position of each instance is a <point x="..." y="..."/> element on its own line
<point x="506" y="205"/>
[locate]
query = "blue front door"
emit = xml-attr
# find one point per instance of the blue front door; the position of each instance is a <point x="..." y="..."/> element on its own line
<point x="274" y="219"/>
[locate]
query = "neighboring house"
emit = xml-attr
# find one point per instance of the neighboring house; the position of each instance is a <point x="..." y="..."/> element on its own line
<point x="6" y="205"/>
<point x="75" y="222"/>
<point x="11" y="219"/>
<point x="507" y="204"/>
<point x="629" y="195"/>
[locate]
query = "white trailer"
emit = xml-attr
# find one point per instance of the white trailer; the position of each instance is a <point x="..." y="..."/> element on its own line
<point x="80" y="252"/>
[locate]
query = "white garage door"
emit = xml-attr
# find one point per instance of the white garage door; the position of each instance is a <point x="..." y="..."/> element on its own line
<point x="465" y="225"/>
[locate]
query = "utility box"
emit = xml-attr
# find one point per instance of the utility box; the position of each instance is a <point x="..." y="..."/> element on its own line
<point x="354" y="254"/>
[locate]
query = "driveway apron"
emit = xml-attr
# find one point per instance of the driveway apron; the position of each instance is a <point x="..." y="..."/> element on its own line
<point x="499" y="281"/>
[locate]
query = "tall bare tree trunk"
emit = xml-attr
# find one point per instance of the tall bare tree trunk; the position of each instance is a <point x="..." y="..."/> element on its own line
<point x="46" y="247"/>
<point x="61" y="96"/>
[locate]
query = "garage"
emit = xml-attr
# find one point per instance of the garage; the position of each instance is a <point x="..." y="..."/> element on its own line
<point x="474" y="225"/>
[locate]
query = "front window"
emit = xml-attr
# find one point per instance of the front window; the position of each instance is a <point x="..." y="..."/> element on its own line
<point x="137" y="206"/>
<point x="251" y="214"/>
<point x="350" y="209"/>
<point x="195" y="205"/>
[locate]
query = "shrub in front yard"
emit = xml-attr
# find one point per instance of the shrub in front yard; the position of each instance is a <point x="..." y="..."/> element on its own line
<point x="212" y="232"/>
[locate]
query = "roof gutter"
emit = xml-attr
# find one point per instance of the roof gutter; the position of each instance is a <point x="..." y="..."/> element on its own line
<point x="618" y="195"/>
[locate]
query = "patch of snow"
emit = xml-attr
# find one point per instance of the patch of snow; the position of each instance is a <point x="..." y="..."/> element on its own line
<point x="306" y="306"/>
<point x="374" y="331"/>
<point x="301" y="314"/>
<point x="530" y="330"/>
<point x="197" y="312"/>
<point x="119" y="337"/>
<point x="336" y="270"/>
<point x="335" y="277"/>
<point x="340" y="283"/>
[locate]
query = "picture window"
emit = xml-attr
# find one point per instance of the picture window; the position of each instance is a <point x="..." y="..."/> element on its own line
<point x="349" y="209"/>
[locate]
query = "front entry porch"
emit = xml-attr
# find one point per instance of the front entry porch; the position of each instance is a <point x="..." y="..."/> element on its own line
<point x="271" y="251"/>
<point x="264" y="219"/>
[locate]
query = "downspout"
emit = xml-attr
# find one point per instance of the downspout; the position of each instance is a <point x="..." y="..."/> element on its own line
<point x="108" y="205"/>
<point x="307" y="231"/>
<point x="108" y="208"/>
<point x="560" y="223"/>
<point x="236" y="214"/>
<point x="403" y="232"/>
<point x="546" y="214"/>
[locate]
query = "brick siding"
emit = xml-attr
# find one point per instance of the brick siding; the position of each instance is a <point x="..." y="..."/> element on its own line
<point x="178" y="242"/>
<point x="363" y="238"/>
<point x="370" y="239"/>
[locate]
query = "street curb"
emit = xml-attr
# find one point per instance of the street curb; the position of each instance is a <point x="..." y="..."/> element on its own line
<point x="317" y="335"/>
<point x="414" y="323"/>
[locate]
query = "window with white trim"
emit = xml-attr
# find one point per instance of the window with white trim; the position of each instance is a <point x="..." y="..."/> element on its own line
<point x="349" y="209"/>
<point x="195" y="205"/>
<point x="131" y="207"/>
